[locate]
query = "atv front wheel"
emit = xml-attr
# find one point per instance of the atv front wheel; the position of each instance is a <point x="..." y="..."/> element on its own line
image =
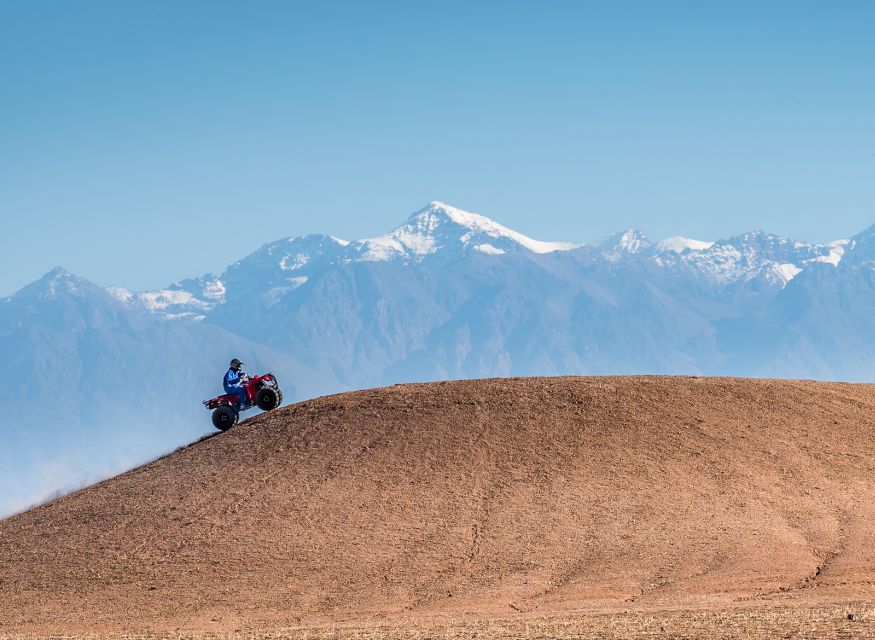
<point x="268" y="398"/>
<point x="225" y="417"/>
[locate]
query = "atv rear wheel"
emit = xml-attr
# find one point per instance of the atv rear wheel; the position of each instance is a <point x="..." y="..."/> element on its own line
<point x="225" y="417"/>
<point x="268" y="398"/>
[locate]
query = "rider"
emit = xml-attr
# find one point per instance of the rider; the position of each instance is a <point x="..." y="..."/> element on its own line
<point x="233" y="382"/>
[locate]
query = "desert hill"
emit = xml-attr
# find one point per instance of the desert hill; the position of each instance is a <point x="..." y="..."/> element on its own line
<point x="505" y="497"/>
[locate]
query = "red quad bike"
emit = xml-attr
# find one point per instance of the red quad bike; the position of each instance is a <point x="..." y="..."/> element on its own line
<point x="264" y="393"/>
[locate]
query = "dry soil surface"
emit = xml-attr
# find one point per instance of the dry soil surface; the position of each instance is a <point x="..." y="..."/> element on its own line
<point x="537" y="507"/>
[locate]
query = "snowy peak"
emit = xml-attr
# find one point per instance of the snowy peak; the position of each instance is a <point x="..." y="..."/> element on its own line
<point x="170" y="304"/>
<point x="59" y="283"/>
<point x="435" y="230"/>
<point x="283" y="259"/>
<point x="759" y="246"/>
<point x="441" y="228"/>
<point x="756" y="255"/>
<point x="279" y="267"/>
<point x="208" y="288"/>
<point x="189" y="299"/>
<point x="679" y="244"/>
<point x="760" y="241"/>
<point x="296" y="254"/>
<point x="60" y="280"/>
<point x="627" y="242"/>
<point x="59" y="300"/>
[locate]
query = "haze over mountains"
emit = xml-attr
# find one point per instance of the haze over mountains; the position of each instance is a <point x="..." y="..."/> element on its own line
<point x="106" y="378"/>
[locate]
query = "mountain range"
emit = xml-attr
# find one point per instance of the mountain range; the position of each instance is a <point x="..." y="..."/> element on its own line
<point x="106" y="377"/>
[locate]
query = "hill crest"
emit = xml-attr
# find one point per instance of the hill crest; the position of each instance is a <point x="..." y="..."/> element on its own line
<point x="483" y="498"/>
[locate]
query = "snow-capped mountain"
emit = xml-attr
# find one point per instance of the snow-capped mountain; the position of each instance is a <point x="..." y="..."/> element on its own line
<point x="623" y="243"/>
<point x="765" y="259"/>
<point x="442" y="233"/>
<point x="447" y="294"/>
<point x="440" y="229"/>
<point x="679" y="244"/>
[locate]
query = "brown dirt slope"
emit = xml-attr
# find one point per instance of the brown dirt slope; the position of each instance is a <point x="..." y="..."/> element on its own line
<point x="477" y="499"/>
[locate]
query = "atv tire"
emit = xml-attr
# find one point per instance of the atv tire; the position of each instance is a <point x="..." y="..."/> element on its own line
<point x="225" y="417"/>
<point x="268" y="398"/>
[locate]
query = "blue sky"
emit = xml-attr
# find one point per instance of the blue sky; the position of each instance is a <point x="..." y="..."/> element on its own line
<point x="143" y="142"/>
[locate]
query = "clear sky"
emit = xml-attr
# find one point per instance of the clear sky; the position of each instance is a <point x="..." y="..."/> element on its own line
<point x="142" y="142"/>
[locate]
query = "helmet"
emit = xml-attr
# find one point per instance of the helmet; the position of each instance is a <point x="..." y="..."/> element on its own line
<point x="236" y="364"/>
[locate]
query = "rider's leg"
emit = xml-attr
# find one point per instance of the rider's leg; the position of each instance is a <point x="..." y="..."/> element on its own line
<point x="241" y="393"/>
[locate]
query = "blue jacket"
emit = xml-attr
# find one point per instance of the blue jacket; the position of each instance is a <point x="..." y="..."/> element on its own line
<point x="232" y="379"/>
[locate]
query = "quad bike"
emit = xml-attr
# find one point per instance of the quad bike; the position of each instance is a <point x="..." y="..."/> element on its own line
<point x="263" y="391"/>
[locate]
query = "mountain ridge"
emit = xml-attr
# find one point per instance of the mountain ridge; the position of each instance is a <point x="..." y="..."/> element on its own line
<point x="421" y="243"/>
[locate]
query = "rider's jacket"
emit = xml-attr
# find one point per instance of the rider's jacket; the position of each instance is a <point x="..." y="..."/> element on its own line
<point x="232" y="379"/>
